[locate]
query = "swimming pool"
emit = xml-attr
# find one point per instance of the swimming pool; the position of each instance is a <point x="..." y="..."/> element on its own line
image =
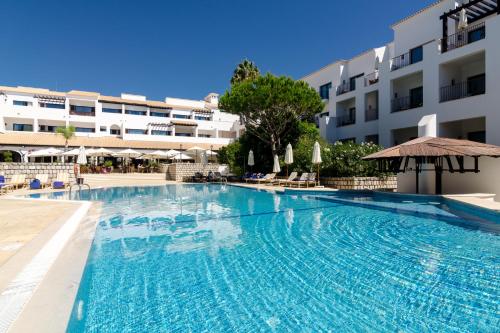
<point x="218" y="258"/>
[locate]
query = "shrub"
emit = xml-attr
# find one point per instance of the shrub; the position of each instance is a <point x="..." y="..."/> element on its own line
<point x="7" y="156"/>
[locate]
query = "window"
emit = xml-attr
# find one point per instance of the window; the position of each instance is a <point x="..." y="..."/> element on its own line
<point x="476" y="85"/>
<point x="324" y="90"/>
<point x="136" y="113"/>
<point x="51" y="105"/>
<point x="183" y="134"/>
<point x="416" y="97"/>
<point x="114" y="131"/>
<point x="348" y="140"/>
<point x="204" y="136"/>
<point x="352" y="81"/>
<point x="372" y="138"/>
<point x="476" y="34"/>
<point x="21" y="103"/>
<point x="81" y="109"/>
<point x="47" y="128"/>
<point x="22" y="127"/>
<point x="111" y="110"/>
<point x="159" y="114"/>
<point x="199" y="117"/>
<point x="182" y="116"/>
<point x="160" y="132"/>
<point x="135" y="131"/>
<point x="479" y="136"/>
<point x="416" y="55"/>
<point x="84" y="130"/>
<point x="103" y="129"/>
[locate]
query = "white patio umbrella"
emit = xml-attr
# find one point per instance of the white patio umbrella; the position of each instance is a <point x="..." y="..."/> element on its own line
<point x="288" y="157"/>
<point x="181" y="156"/>
<point x="276" y="165"/>
<point x="50" y="152"/>
<point x="463" y="22"/>
<point x="316" y="158"/>
<point x="72" y="152"/>
<point x="130" y="153"/>
<point x="82" y="157"/>
<point x="195" y="149"/>
<point x="100" y="152"/>
<point x="157" y="154"/>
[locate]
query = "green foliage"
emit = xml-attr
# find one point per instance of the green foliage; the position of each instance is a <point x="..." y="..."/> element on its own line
<point x="339" y="159"/>
<point x="7" y="156"/>
<point x="108" y="163"/>
<point x="345" y="160"/>
<point x="271" y="107"/>
<point x="67" y="133"/>
<point x="246" y="70"/>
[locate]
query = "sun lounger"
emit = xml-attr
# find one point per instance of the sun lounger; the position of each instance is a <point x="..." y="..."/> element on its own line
<point x="292" y="176"/>
<point x="17" y="181"/>
<point x="253" y="177"/>
<point x="44" y="179"/>
<point x="266" y="179"/>
<point x="63" y="178"/>
<point x="301" y="181"/>
<point x="311" y="180"/>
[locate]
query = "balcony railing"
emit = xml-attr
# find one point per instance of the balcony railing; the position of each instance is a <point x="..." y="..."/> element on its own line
<point x="471" y="87"/>
<point x="345" y="88"/>
<point x="409" y="58"/>
<point x="371" y="114"/>
<point x="82" y="113"/>
<point x="464" y="37"/>
<point x="371" y="78"/>
<point x="406" y="103"/>
<point x="346" y="120"/>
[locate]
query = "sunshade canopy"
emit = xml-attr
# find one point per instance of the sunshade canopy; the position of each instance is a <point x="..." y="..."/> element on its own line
<point x="437" y="147"/>
<point x="46" y="152"/>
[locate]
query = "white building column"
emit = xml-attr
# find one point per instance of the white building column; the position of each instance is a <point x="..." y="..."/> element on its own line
<point x="216" y="133"/>
<point x="172" y="130"/>
<point x="196" y="131"/>
<point x="35" y="125"/>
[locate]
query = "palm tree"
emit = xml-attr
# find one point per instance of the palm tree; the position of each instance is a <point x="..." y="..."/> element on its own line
<point x="67" y="132"/>
<point x="246" y="70"/>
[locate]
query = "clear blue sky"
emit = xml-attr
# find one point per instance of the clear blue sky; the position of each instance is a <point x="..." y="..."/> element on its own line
<point x="182" y="48"/>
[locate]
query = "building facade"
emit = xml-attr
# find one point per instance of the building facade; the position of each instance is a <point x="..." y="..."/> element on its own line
<point x="30" y="117"/>
<point x="436" y="77"/>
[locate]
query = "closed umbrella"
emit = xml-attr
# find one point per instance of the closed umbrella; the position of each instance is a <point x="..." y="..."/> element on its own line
<point x="204" y="157"/>
<point x="276" y="165"/>
<point x="463" y="22"/>
<point x="251" y="161"/>
<point x="82" y="157"/>
<point x="316" y="158"/>
<point x="288" y="157"/>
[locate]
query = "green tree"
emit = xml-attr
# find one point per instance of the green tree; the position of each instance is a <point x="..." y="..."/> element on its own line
<point x="246" y="70"/>
<point x="270" y="106"/>
<point x="7" y="156"/>
<point x="67" y="133"/>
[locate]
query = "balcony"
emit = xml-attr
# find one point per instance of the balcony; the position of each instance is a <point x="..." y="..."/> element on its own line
<point x="80" y="110"/>
<point x="464" y="37"/>
<point x="346" y="120"/>
<point x="472" y="87"/>
<point x="406" y="103"/>
<point x="412" y="57"/>
<point x="371" y="79"/>
<point x="345" y="88"/>
<point x="371" y="114"/>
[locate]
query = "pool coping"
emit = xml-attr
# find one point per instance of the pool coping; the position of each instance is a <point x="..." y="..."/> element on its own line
<point x="19" y="292"/>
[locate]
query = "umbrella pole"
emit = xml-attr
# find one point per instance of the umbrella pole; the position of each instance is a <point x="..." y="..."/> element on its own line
<point x="318" y="174"/>
<point x="287" y="171"/>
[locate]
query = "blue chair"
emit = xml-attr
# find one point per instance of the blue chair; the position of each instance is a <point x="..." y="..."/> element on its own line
<point x="35" y="184"/>
<point x="58" y="185"/>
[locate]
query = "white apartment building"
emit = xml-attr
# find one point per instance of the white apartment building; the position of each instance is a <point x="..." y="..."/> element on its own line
<point x="432" y="73"/>
<point x="30" y="117"/>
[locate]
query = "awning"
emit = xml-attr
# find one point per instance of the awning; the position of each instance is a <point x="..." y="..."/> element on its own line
<point x="50" y="99"/>
<point x="184" y="123"/>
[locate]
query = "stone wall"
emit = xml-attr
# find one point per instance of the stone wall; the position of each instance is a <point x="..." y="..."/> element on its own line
<point x="32" y="169"/>
<point x="184" y="171"/>
<point x="361" y="183"/>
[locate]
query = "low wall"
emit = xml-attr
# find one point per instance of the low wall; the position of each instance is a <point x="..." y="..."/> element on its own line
<point x="360" y="183"/>
<point x="184" y="171"/>
<point x="31" y="169"/>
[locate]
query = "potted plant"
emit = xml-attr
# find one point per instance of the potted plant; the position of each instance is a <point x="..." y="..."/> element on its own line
<point x="108" y="165"/>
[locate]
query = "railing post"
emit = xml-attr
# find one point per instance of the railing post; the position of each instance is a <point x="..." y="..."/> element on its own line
<point x="444" y="41"/>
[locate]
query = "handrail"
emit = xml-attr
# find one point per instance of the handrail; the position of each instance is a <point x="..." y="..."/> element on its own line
<point x="371" y="78"/>
<point x="345" y="88"/>
<point x="346" y="120"/>
<point x="371" y="114"/>
<point x="463" y="89"/>
<point x="463" y="37"/>
<point x="406" y="103"/>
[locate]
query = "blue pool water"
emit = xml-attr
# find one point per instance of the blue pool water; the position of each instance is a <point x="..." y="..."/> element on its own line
<point x="215" y="258"/>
